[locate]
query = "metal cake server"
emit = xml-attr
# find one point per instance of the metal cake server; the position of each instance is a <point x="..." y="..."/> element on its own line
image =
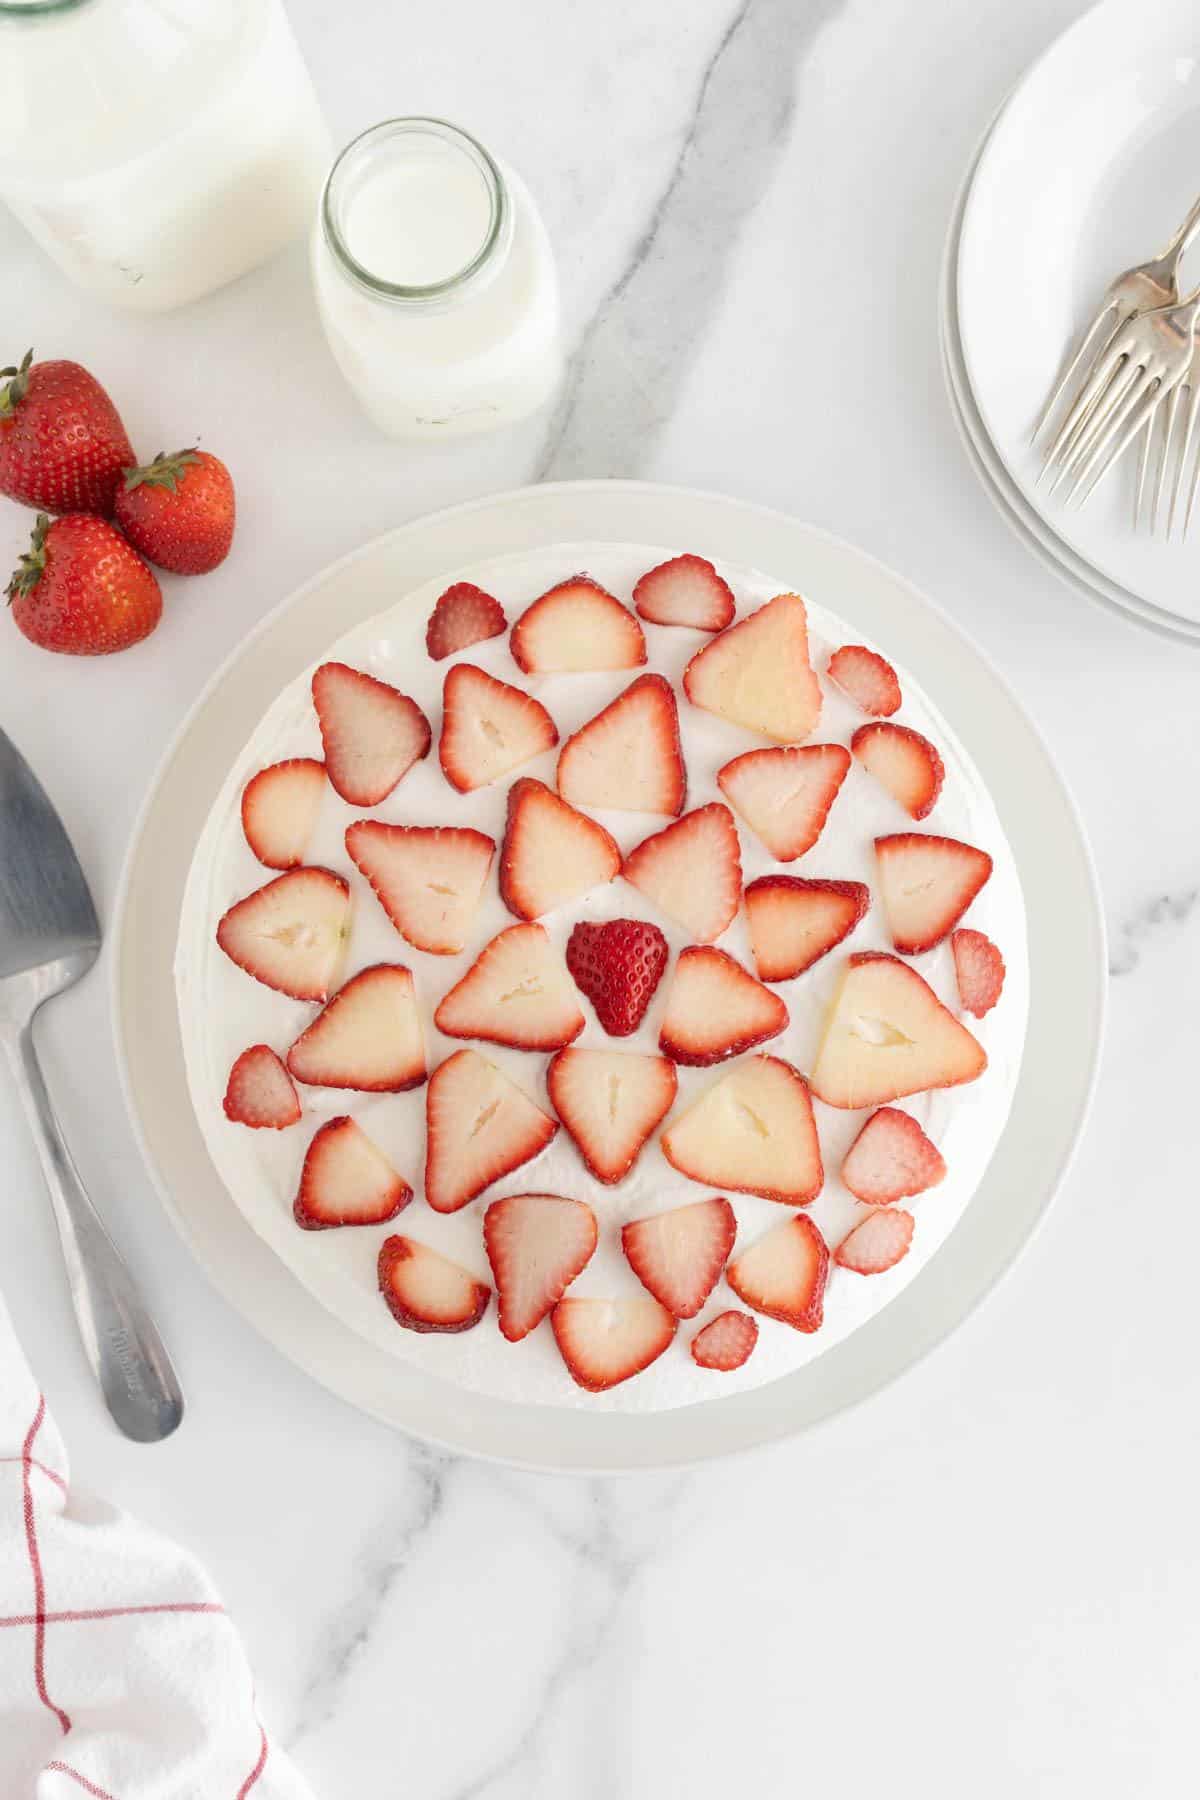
<point x="49" y="938"/>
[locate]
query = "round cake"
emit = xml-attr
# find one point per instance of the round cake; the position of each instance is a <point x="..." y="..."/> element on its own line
<point x="602" y="979"/>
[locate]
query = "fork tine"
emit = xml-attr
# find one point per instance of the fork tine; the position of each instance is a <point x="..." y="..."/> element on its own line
<point x="1191" y="500"/>
<point x="1104" y="410"/>
<point x="1139" y="491"/>
<point x="1168" y="410"/>
<point x="1122" y="432"/>
<point x="1101" y="374"/>
<point x="1074" y="363"/>
<point x="1191" y="400"/>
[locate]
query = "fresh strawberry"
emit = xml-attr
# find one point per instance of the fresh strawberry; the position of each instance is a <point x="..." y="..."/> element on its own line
<point x="628" y="757"/>
<point x="604" y="1342"/>
<point x="425" y="1291"/>
<point x="891" y="1159"/>
<point x="757" y="673"/>
<point x="488" y="728"/>
<point x="610" y="1101"/>
<point x="480" y="1126"/>
<point x="927" y="884"/>
<point x="793" y="923"/>
<point x="618" y="965"/>
<point x="679" y="1255"/>
<point x="867" y="678"/>
<point x="537" y="1244"/>
<point x="62" y="443"/>
<point x="367" y="1038"/>
<point x="785" y="795"/>
<point x="464" y="615"/>
<point x="887" y="1035"/>
<point x="551" y="853"/>
<point x="260" y="1092"/>
<point x="878" y="1243"/>
<point x="979" y="970"/>
<point x="179" y="511"/>
<point x="577" y="626"/>
<point x="428" y="879"/>
<point x="903" y="762"/>
<point x="686" y="590"/>
<point x="372" y="733"/>
<point x="516" y="992"/>
<point x="692" y="870"/>
<point x="79" y="588"/>
<point x="347" y="1180"/>
<point x="753" y="1133"/>
<point x="715" y="1010"/>
<point x="783" y="1275"/>
<point x="279" y="810"/>
<point x="726" y="1342"/>
<point x="291" y="934"/>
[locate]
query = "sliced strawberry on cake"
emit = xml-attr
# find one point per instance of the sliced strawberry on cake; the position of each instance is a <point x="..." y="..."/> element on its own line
<point x="715" y="1010"/>
<point x="758" y="674"/>
<point x="575" y="627"/>
<point x="551" y="853"/>
<point x="927" y="884"/>
<point x="878" y="1243"/>
<point x="489" y="728"/>
<point x="425" y="1291"/>
<point x="428" y="879"/>
<point x="516" y="992"/>
<point x="903" y="762"/>
<point x="368" y="1037"/>
<point x="685" y="590"/>
<point x="610" y="1102"/>
<point x="692" y="871"/>
<point x="605" y="1342"/>
<point x="618" y="966"/>
<point x="754" y="1133"/>
<point x="784" y="796"/>
<point x="537" y="1244"/>
<point x="726" y="1342"/>
<point x="888" y="1035"/>
<point x="347" y="1180"/>
<point x="480" y="1126"/>
<point x="279" y="810"/>
<point x="793" y="922"/>
<point x="372" y="733"/>
<point x="868" y="678"/>
<point x="891" y="1159"/>
<point x="783" y="1275"/>
<point x="464" y="615"/>
<point x="628" y="759"/>
<point x="679" y="1255"/>
<point x="260" y="1092"/>
<point x="291" y="934"/>
<point x="979" y="971"/>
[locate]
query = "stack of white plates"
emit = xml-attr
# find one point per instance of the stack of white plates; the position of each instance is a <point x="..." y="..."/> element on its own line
<point x="1088" y="168"/>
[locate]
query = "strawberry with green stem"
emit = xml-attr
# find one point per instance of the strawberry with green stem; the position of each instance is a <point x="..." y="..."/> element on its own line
<point x="179" y="511"/>
<point x="81" y="590"/>
<point x="62" y="443"/>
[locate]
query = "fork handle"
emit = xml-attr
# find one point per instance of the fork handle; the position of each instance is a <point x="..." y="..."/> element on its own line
<point x="140" y="1387"/>
<point x="1183" y="237"/>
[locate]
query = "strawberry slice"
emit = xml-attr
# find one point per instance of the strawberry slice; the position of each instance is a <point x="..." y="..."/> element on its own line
<point x="868" y="678"/>
<point x="488" y="728"/>
<point x="686" y="590"/>
<point x="888" y="1035"/>
<point x="726" y="1342"/>
<point x="537" y="1244"/>
<point x="604" y="1342"/>
<point x="464" y="615"/>
<point x="279" y="810"/>
<point x="480" y="1126"/>
<point x="610" y="1101"/>
<point x="903" y="762"/>
<point x="879" y="1243"/>
<point x="679" y="1255"/>
<point x="715" y="1009"/>
<point x="577" y="626"/>
<point x="428" y="879"/>
<point x="618" y="965"/>
<point x="927" y="884"/>
<point x="758" y="674"/>
<point x="425" y="1291"/>
<point x="628" y="757"/>
<point x="347" y="1180"/>
<point x="785" y="795"/>
<point x="372" y="733"/>
<point x="891" y="1159"/>
<point x="979" y="970"/>
<point x="784" y="1274"/>
<point x="551" y="853"/>
<point x="692" y="870"/>
<point x="794" y="923"/>
<point x="291" y="934"/>
<point x="753" y="1133"/>
<point x="260" y="1092"/>
<point x="368" y="1037"/>
<point x="516" y="992"/>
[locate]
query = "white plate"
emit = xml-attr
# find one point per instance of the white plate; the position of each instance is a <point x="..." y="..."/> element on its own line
<point x="1066" y="949"/>
<point x="1089" y="168"/>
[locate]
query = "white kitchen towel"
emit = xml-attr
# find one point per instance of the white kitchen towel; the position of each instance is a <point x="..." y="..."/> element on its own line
<point x="121" y="1675"/>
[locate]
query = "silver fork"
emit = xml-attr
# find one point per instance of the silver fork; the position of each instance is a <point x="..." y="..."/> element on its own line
<point x="1172" y="454"/>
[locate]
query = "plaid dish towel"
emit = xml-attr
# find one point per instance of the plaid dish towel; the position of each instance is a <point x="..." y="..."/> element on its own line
<point x="120" y="1674"/>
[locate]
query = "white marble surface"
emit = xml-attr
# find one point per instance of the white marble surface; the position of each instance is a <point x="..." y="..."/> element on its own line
<point x="985" y="1581"/>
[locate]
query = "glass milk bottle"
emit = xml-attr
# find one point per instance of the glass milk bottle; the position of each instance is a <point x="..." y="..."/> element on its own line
<point x="157" y="148"/>
<point x="435" y="282"/>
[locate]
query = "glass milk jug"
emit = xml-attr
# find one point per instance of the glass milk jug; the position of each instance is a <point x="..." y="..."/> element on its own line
<point x="157" y="148"/>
